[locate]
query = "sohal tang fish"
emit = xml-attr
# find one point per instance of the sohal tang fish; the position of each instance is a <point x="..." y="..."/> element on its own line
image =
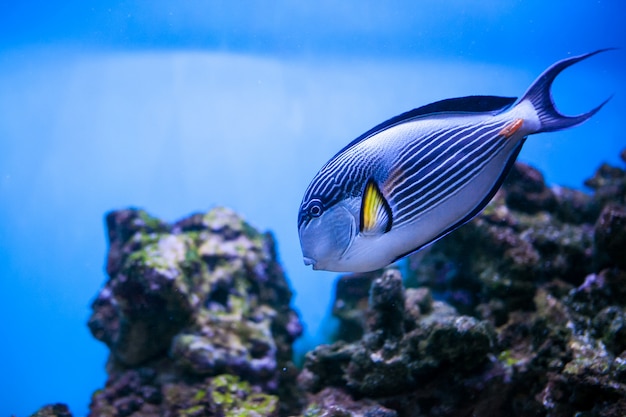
<point x="418" y="176"/>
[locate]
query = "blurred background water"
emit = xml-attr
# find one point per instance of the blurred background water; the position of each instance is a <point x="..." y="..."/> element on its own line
<point x="176" y="107"/>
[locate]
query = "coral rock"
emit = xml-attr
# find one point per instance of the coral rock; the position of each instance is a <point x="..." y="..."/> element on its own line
<point x="334" y="402"/>
<point x="408" y="341"/>
<point x="610" y="236"/>
<point x="545" y="270"/>
<point x="190" y="301"/>
<point x="53" y="410"/>
<point x="527" y="191"/>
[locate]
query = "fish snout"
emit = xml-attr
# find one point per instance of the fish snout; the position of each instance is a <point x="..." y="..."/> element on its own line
<point x="309" y="261"/>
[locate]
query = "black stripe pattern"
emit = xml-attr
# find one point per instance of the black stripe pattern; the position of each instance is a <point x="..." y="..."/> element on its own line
<point x="443" y="164"/>
<point x="415" y="171"/>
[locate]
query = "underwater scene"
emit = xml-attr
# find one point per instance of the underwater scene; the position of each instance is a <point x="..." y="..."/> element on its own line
<point x="339" y="209"/>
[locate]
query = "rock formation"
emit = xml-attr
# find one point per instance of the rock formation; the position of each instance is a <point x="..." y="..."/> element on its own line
<point x="196" y="316"/>
<point x="520" y="312"/>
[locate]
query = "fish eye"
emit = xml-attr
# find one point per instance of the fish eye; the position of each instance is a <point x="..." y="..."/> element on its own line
<point x="315" y="208"/>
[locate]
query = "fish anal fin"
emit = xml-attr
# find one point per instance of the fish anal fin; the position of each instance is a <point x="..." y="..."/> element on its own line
<point x="511" y="128"/>
<point x="376" y="216"/>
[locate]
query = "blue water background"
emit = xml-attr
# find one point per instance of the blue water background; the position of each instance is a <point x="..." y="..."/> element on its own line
<point x="177" y="108"/>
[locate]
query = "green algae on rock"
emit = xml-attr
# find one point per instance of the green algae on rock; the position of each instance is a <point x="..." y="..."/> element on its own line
<point x="138" y="393"/>
<point x="187" y="302"/>
<point x="235" y="398"/>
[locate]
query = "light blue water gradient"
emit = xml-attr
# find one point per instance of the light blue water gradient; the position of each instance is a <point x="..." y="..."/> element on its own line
<point x="176" y="108"/>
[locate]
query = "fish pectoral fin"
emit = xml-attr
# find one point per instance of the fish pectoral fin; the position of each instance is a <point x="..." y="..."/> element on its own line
<point x="376" y="216"/>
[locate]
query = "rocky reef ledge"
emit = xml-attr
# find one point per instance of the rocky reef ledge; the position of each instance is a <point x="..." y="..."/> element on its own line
<point x="521" y="312"/>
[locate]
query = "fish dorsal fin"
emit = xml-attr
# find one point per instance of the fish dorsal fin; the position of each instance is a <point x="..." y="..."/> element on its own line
<point x="376" y="217"/>
<point x="469" y="104"/>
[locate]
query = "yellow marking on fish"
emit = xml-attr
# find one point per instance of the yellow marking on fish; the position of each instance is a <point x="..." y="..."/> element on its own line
<point x="373" y="210"/>
<point x="510" y="129"/>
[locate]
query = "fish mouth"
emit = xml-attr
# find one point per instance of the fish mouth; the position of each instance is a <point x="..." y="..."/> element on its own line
<point x="309" y="261"/>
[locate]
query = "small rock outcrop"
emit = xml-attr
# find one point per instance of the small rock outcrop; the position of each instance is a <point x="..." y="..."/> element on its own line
<point x="412" y="344"/>
<point x="194" y="312"/>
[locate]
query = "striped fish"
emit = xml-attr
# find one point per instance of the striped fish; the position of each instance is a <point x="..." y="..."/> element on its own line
<point x="420" y="175"/>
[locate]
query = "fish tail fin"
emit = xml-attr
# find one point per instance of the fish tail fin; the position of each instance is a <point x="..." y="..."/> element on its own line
<point x="540" y="97"/>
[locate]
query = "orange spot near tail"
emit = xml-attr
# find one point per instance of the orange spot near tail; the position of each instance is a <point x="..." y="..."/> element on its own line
<point x="510" y="129"/>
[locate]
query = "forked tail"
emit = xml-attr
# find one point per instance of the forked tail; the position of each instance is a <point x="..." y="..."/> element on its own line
<point x="540" y="96"/>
